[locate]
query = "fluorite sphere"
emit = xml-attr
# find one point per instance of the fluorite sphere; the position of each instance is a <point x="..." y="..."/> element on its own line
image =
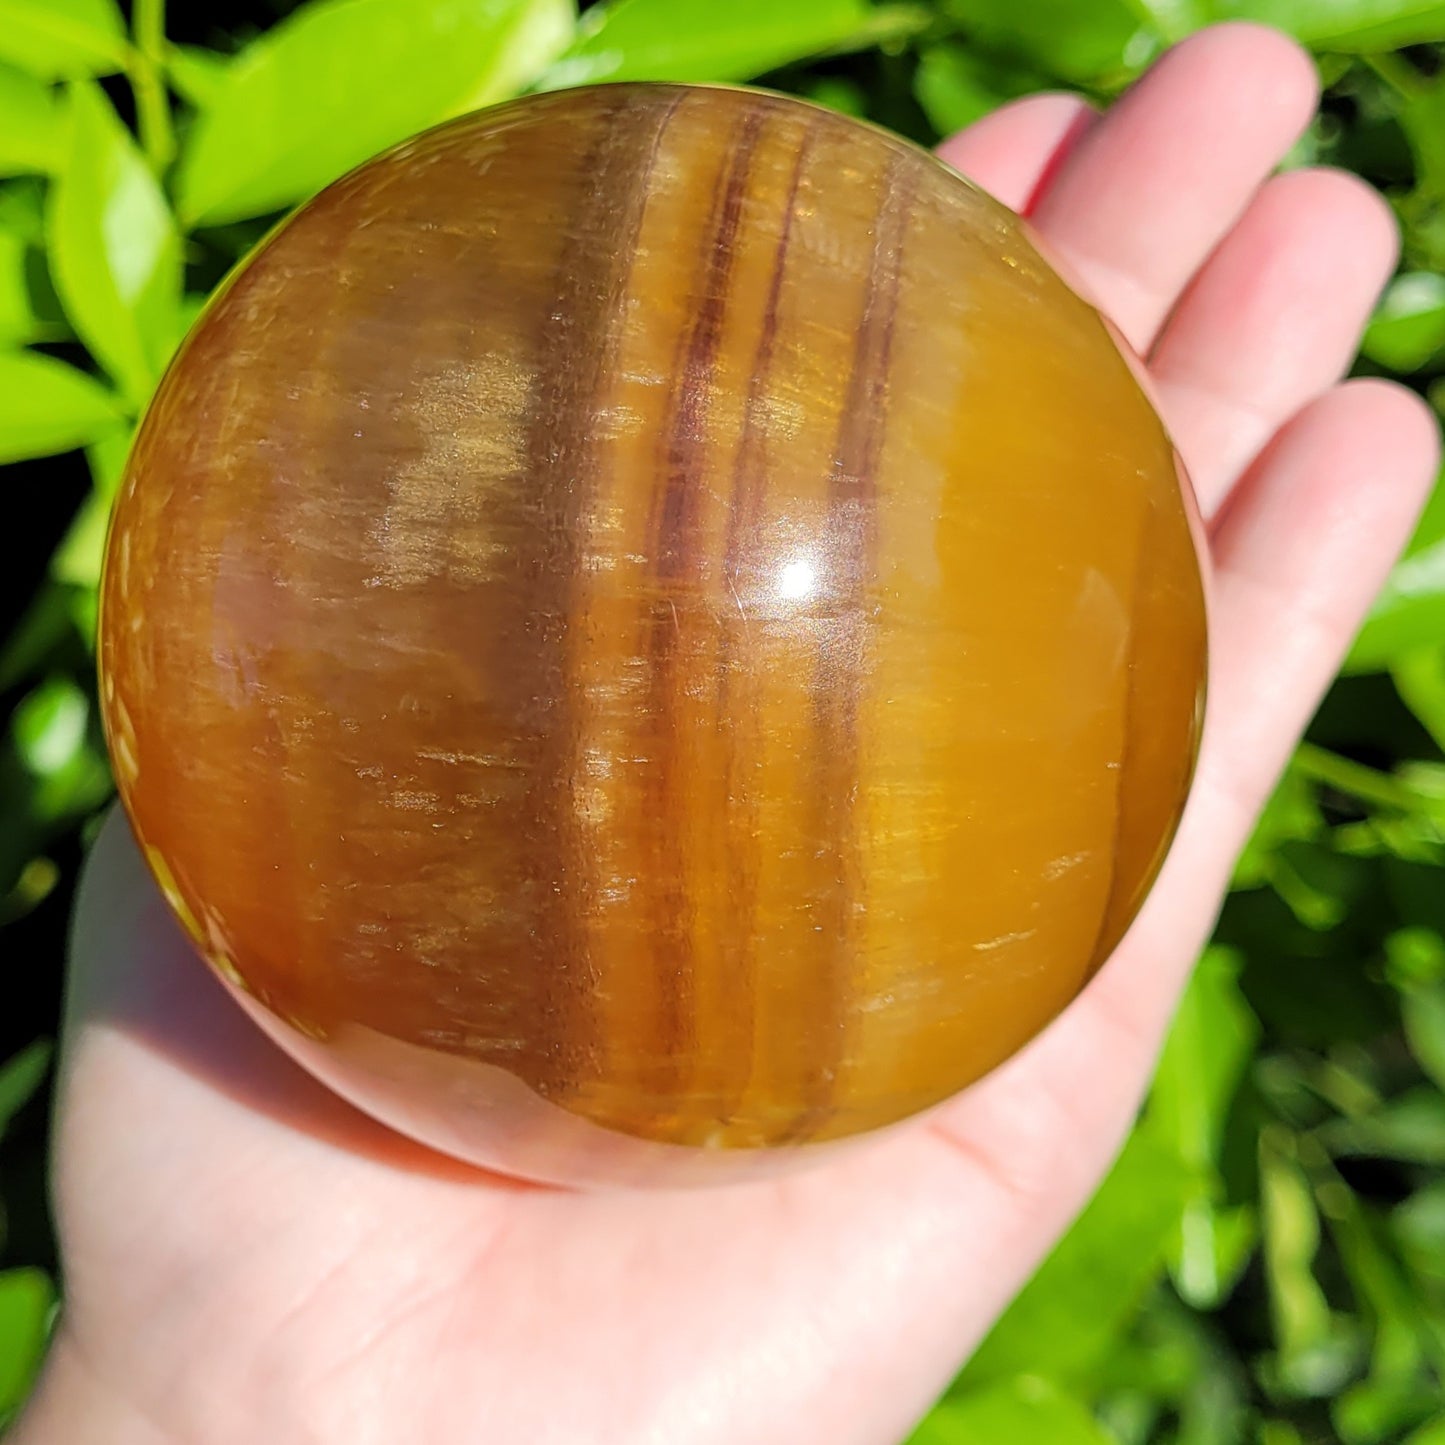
<point x="645" y="628"/>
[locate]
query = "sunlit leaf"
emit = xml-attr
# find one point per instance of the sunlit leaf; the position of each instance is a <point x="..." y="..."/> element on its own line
<point x="27" y="1302"/>
<point x="1074" y="40"/>
<point x="1209" y="1046"/>
<point x="1291" y="1241"/>
<point x="31" y="124"/>
<point x="1068" y="1314"/>
<point x="1173" y="19"/>
<point x="197" y="74"/>
<point x="700" y="40"/>
<point x="47" y="406"/>
<point x="1344" y="24"/>
<point x="113" y="247"/>
<point x="55" y="39"/>
<point x="1408" y="329"/>
<point x="1024" y="1411"/>
<point x="49" y="726"/>
<point x="1409" y="614"/>
<point x="1203" y="1062"/>
<point x="339" y="80"/>
<point x="1419" y="678"/>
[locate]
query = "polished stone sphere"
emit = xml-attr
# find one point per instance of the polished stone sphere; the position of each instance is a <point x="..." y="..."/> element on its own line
<point x="646" y="629"/>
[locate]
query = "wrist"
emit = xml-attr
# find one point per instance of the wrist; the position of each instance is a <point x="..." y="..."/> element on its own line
<point x="72" y="1406"/>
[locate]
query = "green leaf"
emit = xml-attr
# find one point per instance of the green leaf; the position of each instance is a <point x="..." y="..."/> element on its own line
<point x="1410" y="1128"/>
<point x="1203" y="1063"/>
<point x="22" y="209"/>
<point x="36" y="882"/>
<point x="60" y="39"/>
<point x="43" y="628"/>
<point x="1431" y="1433"/>
<point x="1082" y="41"/>
<point x="27" y="1304"/>
<point x="1279" y="1432"/>
<point x="78" y="558"/>
<point x="1024" y="1411"/>
<point x="956" y="86"/>
<point x="1408" y="329"/>
<point x="339" y="80"/>
<point x="31" y="125"/>
<point x="20" y="1077"/>
<point x="1291" y="1241"/>
<point x="47" y="406"/>
<point x="1311" y="1349"/>
<point x="1173" y="19"/>
<point x="1292" y="815"/>
<point x="197" y="74"/>
<point x="1419" y="678"/>
<point x="114" y="250"/>
<point x="1208" y="1049"/>
<point x="49" y="726"/>
<point x="1409" y="614"/>
<point x="1375" y="1411"/>
<point x="1353" y="25"/>
<point x="29" y="308"/>
<point x="18" y="321"/>
<point x="1423" y="121"/>
<point x="1423" y="1011"/>
<point x="1418" y="1227"/>
<point x="1382" y="1291"/>
<point x="1068" y="1315"/>
<point x="700" y="40"/>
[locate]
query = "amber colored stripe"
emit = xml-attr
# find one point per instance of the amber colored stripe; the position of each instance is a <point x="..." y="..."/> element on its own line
<point x="561" y="478"/>
<point x="841" y="660"/>
<point x="743" y="549"/>
<point x="675" y="565"/>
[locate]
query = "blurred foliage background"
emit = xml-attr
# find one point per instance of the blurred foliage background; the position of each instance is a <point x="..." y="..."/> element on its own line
<point x="1266" y="1263"/>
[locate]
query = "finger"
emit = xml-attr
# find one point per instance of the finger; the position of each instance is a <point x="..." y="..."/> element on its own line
<point x="1272" y="321"/>
<point x="1148" y="193"/>
<point x="1012" y="152"/>
<point x="1301" y="551"/>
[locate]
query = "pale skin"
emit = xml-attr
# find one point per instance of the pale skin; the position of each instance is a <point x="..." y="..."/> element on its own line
<point x="249" y="1259"/>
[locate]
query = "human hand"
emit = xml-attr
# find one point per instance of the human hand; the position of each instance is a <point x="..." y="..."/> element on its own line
<point x="247" y="1257"/>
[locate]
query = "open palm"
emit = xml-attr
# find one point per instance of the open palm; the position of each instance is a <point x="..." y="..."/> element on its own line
<point x="247" y="1258"/>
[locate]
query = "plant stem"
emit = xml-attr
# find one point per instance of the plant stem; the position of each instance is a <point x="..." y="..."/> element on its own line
<point x="153" y="110"/>
<point x="1355" y="779"/>
<point x="1399" y="75"/>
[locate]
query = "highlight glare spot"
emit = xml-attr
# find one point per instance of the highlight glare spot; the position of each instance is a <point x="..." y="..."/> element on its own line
<point x="798" y="579"/>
